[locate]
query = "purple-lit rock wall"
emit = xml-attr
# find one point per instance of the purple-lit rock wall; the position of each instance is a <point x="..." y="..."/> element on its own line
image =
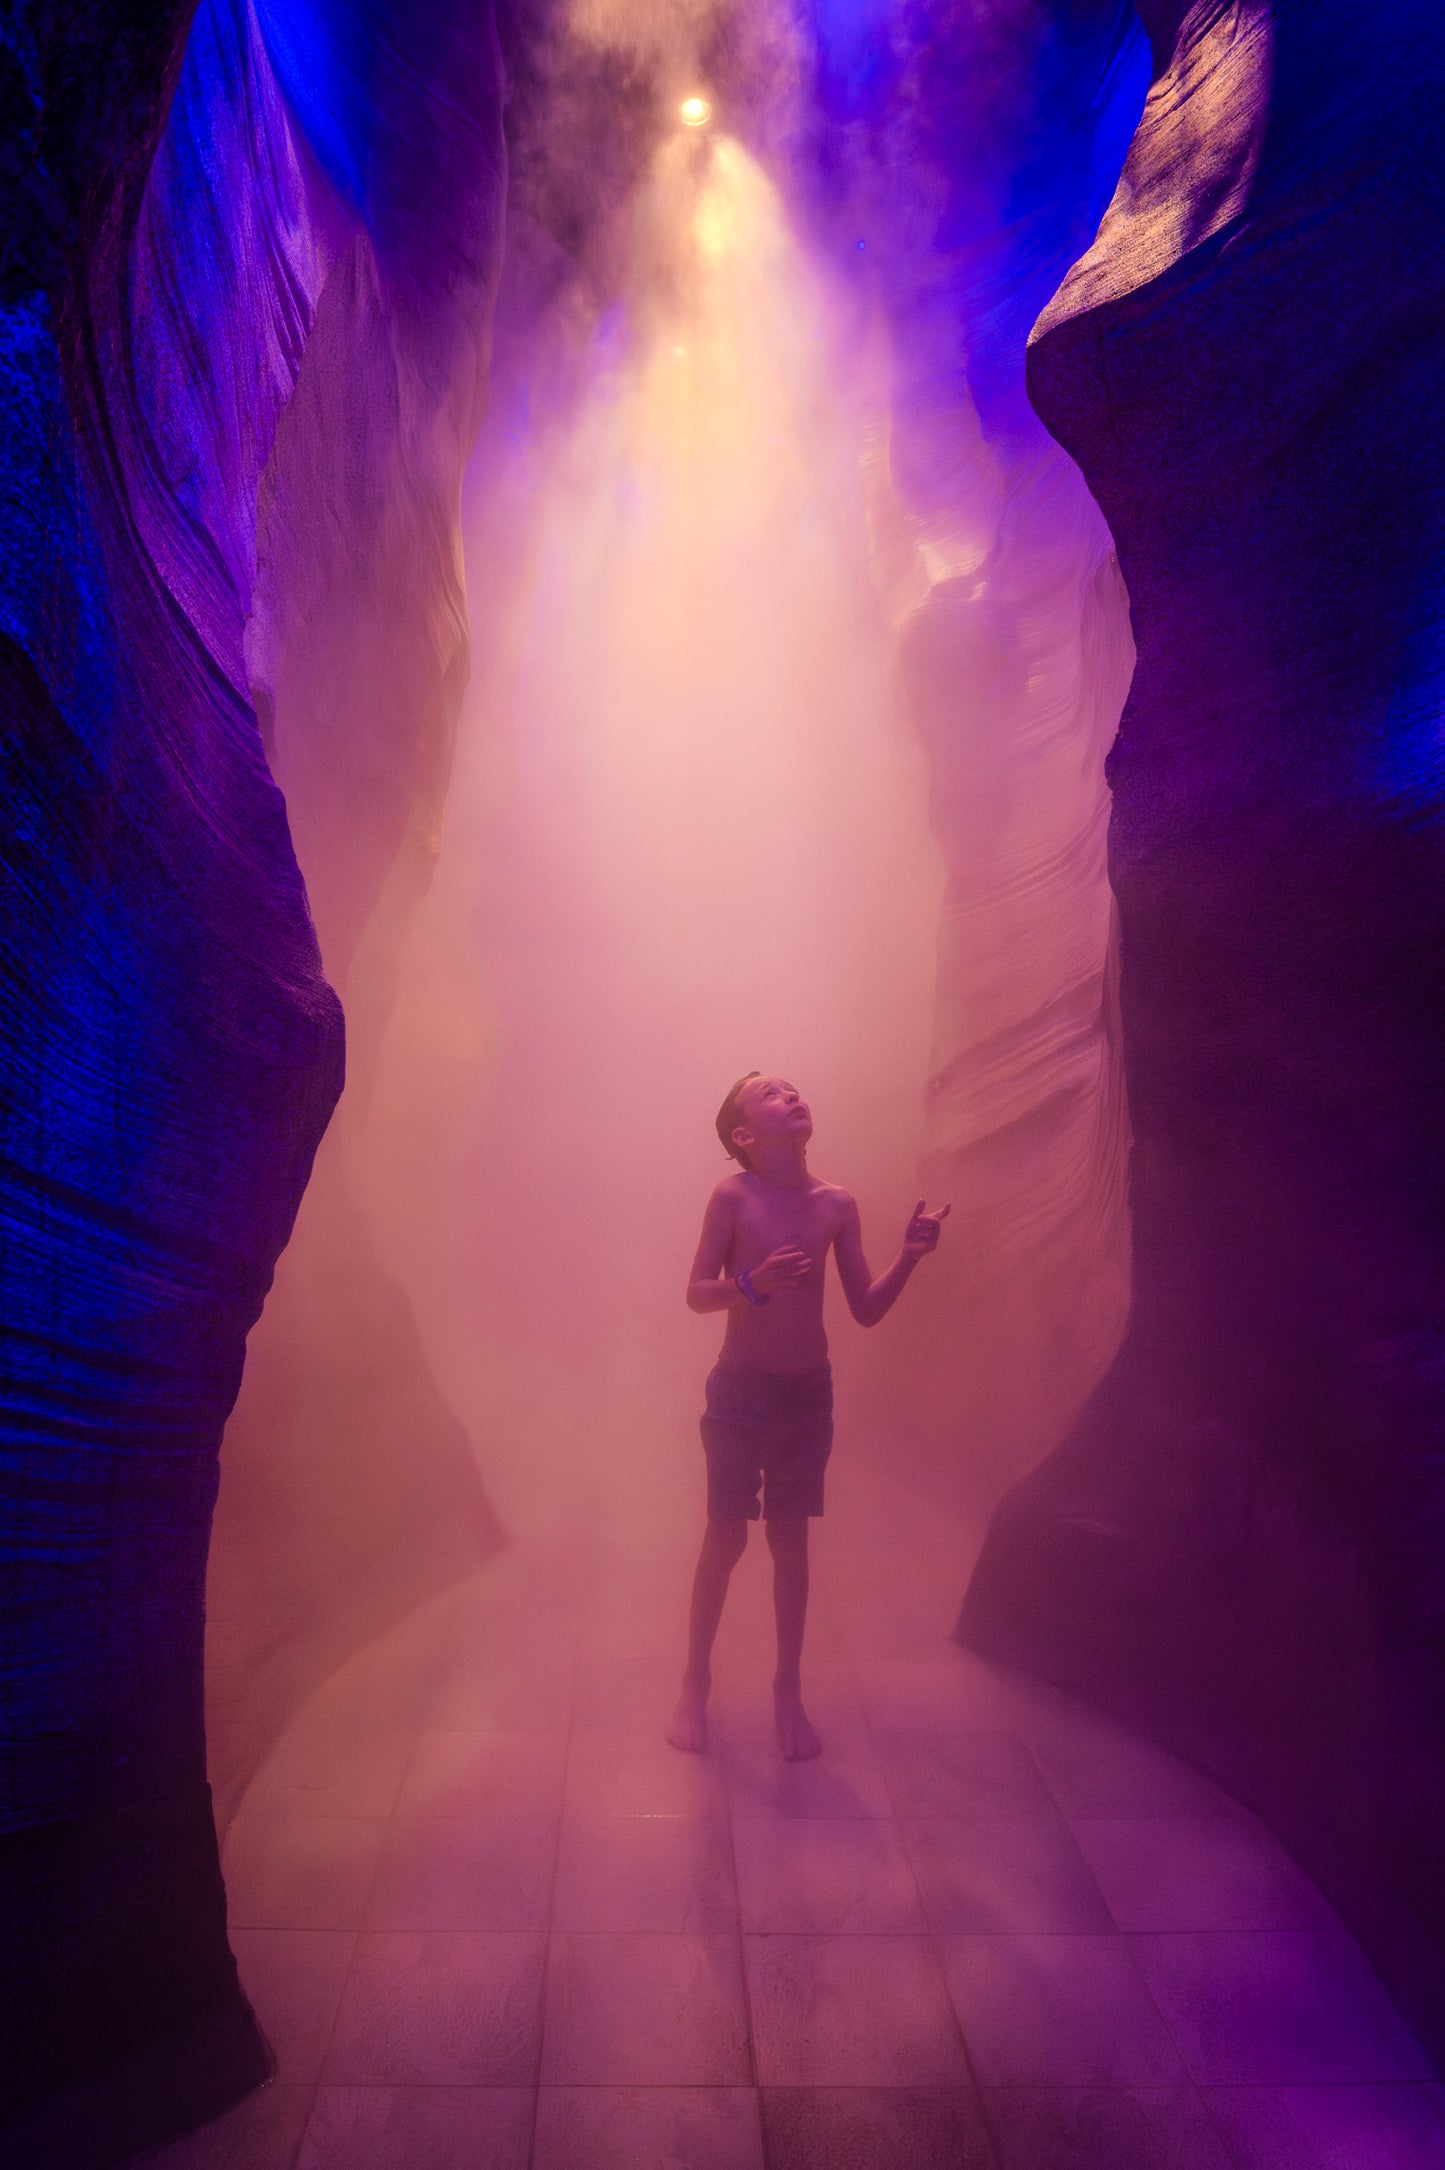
<point x="349" y="1490"/>
<point x="177" y="212"/>
<point x="961" y="159"/>
<point x="1241" y="1546"/>
<point x="172" y="1054"/>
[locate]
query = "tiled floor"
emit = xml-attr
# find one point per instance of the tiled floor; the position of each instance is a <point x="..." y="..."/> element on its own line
<point x="491" y="1921"/>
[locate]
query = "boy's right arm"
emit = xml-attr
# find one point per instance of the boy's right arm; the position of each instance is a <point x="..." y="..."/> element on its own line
<point x="706" y="1291"/>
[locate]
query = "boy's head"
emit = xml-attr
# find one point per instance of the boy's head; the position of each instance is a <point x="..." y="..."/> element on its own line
<point x="758" y="1110"/>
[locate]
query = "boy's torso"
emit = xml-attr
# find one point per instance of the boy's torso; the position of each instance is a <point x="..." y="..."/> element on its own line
<point x="786" y="1333"/>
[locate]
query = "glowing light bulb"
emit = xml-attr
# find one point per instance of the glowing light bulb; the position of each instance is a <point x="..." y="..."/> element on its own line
<point x="694" y="112"/>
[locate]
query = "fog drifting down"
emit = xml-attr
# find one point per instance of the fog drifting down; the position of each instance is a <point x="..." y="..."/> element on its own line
<point x="687" y="836"/>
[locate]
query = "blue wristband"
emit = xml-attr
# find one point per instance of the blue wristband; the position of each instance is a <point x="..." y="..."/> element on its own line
<point x="745" y="1283"/>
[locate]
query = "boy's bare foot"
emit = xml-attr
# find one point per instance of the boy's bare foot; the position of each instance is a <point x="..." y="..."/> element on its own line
<point x="796" y="1737"/>
<point x="689" y="1722"/>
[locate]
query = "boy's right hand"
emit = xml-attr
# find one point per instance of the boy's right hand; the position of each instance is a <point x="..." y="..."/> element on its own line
<point x="786" y="1268"/>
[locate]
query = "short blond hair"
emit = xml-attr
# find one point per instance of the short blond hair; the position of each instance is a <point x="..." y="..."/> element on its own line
<point x="729" y="1115"/>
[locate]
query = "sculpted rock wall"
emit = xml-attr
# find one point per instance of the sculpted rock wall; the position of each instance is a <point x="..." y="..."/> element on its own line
<point x="172" y="1054"/>
<point x="171" y="1048"/>
<point x="1239" y="1546"/>
<point x="349" y="1489"/>
<point x="960" y="159"/>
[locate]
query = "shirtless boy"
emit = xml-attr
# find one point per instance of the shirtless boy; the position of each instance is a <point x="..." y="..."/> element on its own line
<point x="766" y="1236"/>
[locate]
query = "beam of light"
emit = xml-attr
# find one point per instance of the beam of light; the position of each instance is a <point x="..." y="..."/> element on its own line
<point x="694" y="112"/>
<point x="687" y="836"/>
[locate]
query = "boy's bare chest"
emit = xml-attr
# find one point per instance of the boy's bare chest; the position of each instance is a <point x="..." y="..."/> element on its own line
<point x="809" y="1222"/>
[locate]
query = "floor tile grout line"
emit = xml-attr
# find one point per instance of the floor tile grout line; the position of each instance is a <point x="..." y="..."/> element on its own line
<point x="1068" y="1823"/>
<point x="935" y="1948"/>
<point x="325" y="2055"/>
<point x="544" y="1993"/>
<point x="750" y="2045"/>
<point x="1171" y="2032"/>
<point x="1251" y="2087"/>
<point x="764" y="2139"/>
<point x="325" y="2049"/>
<point x="299" y="2143"/>
<point x="1231" y="2153"/>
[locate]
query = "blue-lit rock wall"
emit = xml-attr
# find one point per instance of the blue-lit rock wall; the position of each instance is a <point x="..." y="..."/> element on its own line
<point x="1241" y="1546"/>
<point x="349" y="1490"/>
<point x="177" y="210"/>
<point x="957" y="160"/>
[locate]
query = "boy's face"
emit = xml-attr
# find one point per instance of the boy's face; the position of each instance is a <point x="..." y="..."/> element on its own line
<point x="772" y="1109"/>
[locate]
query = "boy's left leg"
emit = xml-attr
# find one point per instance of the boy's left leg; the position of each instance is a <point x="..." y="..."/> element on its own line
<point x="788" y="1543"/>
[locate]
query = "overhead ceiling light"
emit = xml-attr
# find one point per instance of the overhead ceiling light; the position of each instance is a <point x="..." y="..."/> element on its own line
<point x="694" y="112"/>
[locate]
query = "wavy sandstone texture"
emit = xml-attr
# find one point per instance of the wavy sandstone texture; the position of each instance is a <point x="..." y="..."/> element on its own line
<point x="1239" y="1546"/>
<point x="980" y="147"/>
<point x="349" y="1491"/>
<point x="179" y="216"/>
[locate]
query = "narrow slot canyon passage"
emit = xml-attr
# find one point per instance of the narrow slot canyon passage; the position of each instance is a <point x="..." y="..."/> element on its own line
<point x="485" y="1913"/>
<point x="558" y="555"/>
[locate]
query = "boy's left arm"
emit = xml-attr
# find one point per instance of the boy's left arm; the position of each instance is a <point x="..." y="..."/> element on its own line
<point x="871" y="1300"/>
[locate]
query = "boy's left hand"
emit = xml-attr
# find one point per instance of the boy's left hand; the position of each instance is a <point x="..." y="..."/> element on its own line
<point x="921" y="1235"/>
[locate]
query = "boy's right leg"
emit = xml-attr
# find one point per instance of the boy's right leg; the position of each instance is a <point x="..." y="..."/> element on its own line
<point x="723" y="1545"/>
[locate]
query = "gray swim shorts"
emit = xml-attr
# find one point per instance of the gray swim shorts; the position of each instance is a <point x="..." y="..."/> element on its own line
<point x="768" y="1431"/>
